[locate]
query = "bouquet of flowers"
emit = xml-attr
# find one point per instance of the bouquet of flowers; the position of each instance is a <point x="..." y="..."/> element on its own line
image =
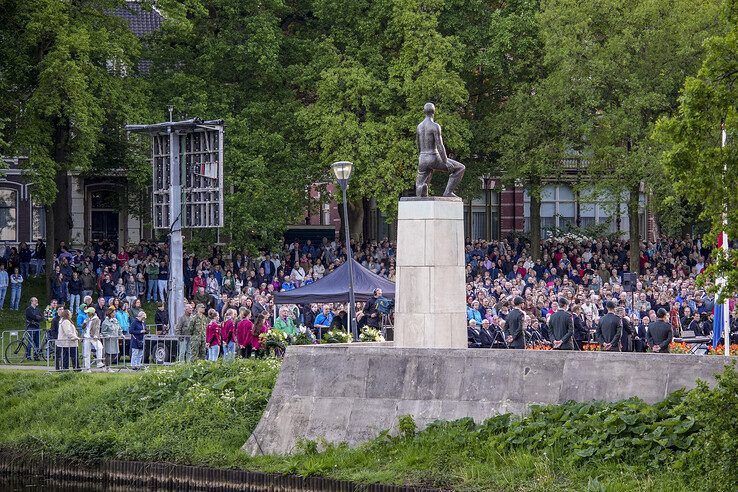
<point x="371" y="335"/>
<point x="302" y="339"/>
<point x="336" y="336"/>
<point x="272" y="337"/>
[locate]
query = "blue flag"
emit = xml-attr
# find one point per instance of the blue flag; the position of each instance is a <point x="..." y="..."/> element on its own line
<point x="717" y="325"/>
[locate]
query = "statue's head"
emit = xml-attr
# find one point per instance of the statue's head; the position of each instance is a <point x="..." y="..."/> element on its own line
<point x="429" y="109"/>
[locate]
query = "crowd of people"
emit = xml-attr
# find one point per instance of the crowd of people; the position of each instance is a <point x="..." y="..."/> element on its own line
<point x="585" y="281"/>
<point x="512" y="300"/>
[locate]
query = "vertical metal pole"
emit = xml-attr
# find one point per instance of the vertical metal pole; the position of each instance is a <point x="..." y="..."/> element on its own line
<point x="176" y="293"/>
<point x="349" y="258"/>
<point x="724" y="240"/>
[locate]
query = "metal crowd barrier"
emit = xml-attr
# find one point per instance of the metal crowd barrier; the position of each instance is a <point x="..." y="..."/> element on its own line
<point x="116" y="354"/>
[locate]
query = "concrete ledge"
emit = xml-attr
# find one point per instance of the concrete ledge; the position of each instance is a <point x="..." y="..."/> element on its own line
<point x="351" y="392"/>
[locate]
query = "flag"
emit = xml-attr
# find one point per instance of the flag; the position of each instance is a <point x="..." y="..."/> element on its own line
<point x="717" y="324"/>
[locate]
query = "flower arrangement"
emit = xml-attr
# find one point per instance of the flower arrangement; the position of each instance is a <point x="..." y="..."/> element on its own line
<point x="371" y="335"/>
<point x="336" y="336"/>
<point x="720" y="350"/>
<point x="540" y="347"/>
<point x="302" y="339"/>
<point x="679" y="348"/>
<point x="273" y="337"/>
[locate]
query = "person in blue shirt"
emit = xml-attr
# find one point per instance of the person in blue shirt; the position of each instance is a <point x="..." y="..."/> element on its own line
<point x="323" y="320"/>
<point x="124" y="318"/>
<point x="473" y="313"/>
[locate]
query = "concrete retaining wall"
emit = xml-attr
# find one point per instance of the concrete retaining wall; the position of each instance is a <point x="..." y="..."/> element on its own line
<point x="349" y="393"/>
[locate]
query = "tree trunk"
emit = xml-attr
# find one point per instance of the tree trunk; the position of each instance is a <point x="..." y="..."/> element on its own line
<point x="535" y="222"/>
<point x="63" y="224"/>
<point x="356" y="219"/>
<point x="50" y="242"/>
<point x="634" y="229"/>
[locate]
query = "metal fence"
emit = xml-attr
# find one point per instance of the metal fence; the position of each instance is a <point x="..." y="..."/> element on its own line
<point x="29" y="347"/>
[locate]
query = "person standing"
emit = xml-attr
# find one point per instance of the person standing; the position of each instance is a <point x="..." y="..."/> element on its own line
<point x="660" y="333"/>
<point x="561" y="326"/>
<point x="213" y="337"/>
<point x="244" y="327"/>
<point x="74" y="290"/>
<point x="34" y="316"/>
<point x="4" y="282"/>
<point x="24" y="257"/>
<point x="91" y="341"/>
<point x="110" y="333"/>
<point x="138" y="331"/>
<point x="68" y="341"/>
<point x="228" y="334"/>
<point x="161" y="319"/>
<point x="626" y="339"/>
<point x="163" y="279"/>
<point x="16" y="284"/>
<point x="152" y="273"/>
<point x="514" y="325"/>
<point x="610" y="330"/>
<point x="197" y="326"/>
<point x="181" y="331"/>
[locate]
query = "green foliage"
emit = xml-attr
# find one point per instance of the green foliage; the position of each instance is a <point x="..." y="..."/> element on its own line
<point x="685" y="442"/>
<point x="194" y="413"/>
<point x="63" y="67"/>
<point x="703" y="172"/>
<point x="407" y="426"/>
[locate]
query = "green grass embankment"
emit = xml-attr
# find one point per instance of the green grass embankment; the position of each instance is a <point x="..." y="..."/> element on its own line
<point x="201" y="414"/>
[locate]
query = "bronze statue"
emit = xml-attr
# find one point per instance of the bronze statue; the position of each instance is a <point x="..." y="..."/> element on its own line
<point x="433" y="156"/>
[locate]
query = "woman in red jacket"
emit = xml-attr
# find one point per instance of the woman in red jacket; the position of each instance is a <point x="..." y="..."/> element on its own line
<point x="261" y="325"/>
<point x="199" y="281"/>
<point x="212" y="336"/>
<point x="228" y="334"/>
<point x="244" y="326"/>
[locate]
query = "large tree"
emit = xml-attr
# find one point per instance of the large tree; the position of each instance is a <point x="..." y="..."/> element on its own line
<point x="628" y="58"/>
<point x="63" y="67"/>
<point x="375" y="64"/>
<point x="704" y="171"/>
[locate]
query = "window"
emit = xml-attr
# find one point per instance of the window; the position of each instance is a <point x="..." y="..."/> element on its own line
<point x="558" y="208"/>
<point x="38" y="226"/>
<point x="8" y="215"/>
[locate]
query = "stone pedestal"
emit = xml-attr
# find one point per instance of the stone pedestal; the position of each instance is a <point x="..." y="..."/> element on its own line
<point x="430" y="308"/>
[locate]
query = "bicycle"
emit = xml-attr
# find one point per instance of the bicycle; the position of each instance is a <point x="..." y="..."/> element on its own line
<point x="15" y="352"/>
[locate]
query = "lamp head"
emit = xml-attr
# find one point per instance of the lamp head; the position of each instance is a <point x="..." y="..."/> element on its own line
<point x="342" y="170"/>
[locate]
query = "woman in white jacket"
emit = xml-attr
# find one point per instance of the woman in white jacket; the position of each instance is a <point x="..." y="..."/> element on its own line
<point x="68" y="341"/>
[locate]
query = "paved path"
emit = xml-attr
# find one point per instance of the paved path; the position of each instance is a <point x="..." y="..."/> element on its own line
<point x="29" y="367"/>
<point x="9" y="367"/>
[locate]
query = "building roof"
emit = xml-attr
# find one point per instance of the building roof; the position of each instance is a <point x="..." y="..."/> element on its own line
<point x="141" y="20"/>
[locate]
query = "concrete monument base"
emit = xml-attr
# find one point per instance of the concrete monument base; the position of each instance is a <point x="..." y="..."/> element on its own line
<point x="429" y="303"/>
<point x="351" y="392"/>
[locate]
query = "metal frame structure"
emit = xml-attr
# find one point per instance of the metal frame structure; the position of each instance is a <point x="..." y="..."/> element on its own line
<point x="185" y="155"/>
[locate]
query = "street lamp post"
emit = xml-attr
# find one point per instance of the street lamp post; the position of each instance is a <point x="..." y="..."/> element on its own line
<point x="342" y="170"/>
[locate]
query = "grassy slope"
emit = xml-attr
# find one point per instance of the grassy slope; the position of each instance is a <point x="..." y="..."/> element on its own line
<point x="203" y="413"/>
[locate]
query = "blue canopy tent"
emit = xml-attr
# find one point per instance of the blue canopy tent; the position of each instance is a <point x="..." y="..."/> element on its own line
<point x="335" y="287"/>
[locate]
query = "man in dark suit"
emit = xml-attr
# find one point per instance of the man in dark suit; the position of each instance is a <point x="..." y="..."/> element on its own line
<point x="514" y="325"/>
<point x="626" y="340"/>
<point x="641" y="334"/>
<point x="581" y="332"/>
<point x="561" y="327"/>
<point x="610" y="330"/>
<point x="660" y="333"/>
<point x="472" y="335"/>
<point x="486" y="337"/>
